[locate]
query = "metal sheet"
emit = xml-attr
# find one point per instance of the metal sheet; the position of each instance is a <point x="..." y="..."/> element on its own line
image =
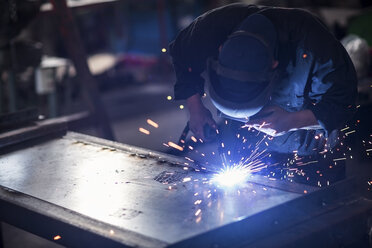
<point x="118" y="187"/>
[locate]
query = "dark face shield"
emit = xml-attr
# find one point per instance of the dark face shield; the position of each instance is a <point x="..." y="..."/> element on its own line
<point x="238" y="94"/>
<point x="240" y="81"/>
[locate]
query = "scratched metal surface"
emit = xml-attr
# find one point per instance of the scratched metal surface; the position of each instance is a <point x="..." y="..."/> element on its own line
<point x="117" y="187"/>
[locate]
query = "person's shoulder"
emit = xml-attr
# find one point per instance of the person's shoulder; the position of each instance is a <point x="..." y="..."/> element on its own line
<point x="234" y="7"/>
<point x="237" y="5"/>
<point x="289" y="12"/>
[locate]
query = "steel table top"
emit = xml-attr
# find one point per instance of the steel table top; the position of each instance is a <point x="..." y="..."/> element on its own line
<point x="152" y="194"/>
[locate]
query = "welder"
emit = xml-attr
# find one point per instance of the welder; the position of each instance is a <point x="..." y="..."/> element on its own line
<point x="279" y="71"/>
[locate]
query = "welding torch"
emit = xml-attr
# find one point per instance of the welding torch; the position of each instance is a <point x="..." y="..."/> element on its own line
<point x="210" y="134"/>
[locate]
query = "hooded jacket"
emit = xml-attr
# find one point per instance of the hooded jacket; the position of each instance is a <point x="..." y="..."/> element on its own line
<point x="316" y="72"/>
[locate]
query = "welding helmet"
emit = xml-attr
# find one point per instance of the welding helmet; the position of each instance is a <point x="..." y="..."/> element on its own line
<point x="239" y="82"/>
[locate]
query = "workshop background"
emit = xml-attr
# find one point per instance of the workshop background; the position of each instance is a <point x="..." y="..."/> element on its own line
<point x="103" y="66"/>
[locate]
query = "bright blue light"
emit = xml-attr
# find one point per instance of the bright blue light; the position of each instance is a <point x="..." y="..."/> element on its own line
<point x="231" y="176"/>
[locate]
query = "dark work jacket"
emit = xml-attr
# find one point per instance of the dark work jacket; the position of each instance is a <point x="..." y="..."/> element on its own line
<point x="316" y="71"/>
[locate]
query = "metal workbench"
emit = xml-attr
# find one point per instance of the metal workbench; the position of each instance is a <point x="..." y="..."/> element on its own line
<point x="97" y="193"/>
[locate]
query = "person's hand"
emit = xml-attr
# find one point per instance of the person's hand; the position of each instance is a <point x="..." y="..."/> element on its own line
<point x="274" y="121"/>
<point x="199" y="117"/>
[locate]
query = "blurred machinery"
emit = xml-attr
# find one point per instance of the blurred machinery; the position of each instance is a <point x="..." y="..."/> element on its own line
<point x="358" y="51"/>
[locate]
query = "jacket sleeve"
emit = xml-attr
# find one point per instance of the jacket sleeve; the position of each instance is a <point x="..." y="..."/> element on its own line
<point x="334" y="82"/>
<point x="200" y="40"/>
<point x="337" y="105"/>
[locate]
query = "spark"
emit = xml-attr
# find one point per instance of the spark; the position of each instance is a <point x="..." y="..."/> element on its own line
<point x="189" y="159"/>
<point x="194" y="139"/>
<point x="169" y="98"/>
<point x="145" y="131"/>
<point x="231" y="176"/>
<point x="337" y="159"/>
<point x="198" y="220"/>
<point x="349" y="132"/>
<point x="238" y="173"/>
<point x="324" y="151"/>
<point x="186" y="179"/>
<point x="182" y="107"/>
<point x="369" y="150"/>
<point x="263" y="124"/>
<point x="164" y="50"/>
<point x="310" y="162"/>
<point x="175" y="146"/>
<point x="197" y="212"/>
<point x="57" y="237"/>
<point x="152" y="123"/>
<point x="346" y="128"/>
